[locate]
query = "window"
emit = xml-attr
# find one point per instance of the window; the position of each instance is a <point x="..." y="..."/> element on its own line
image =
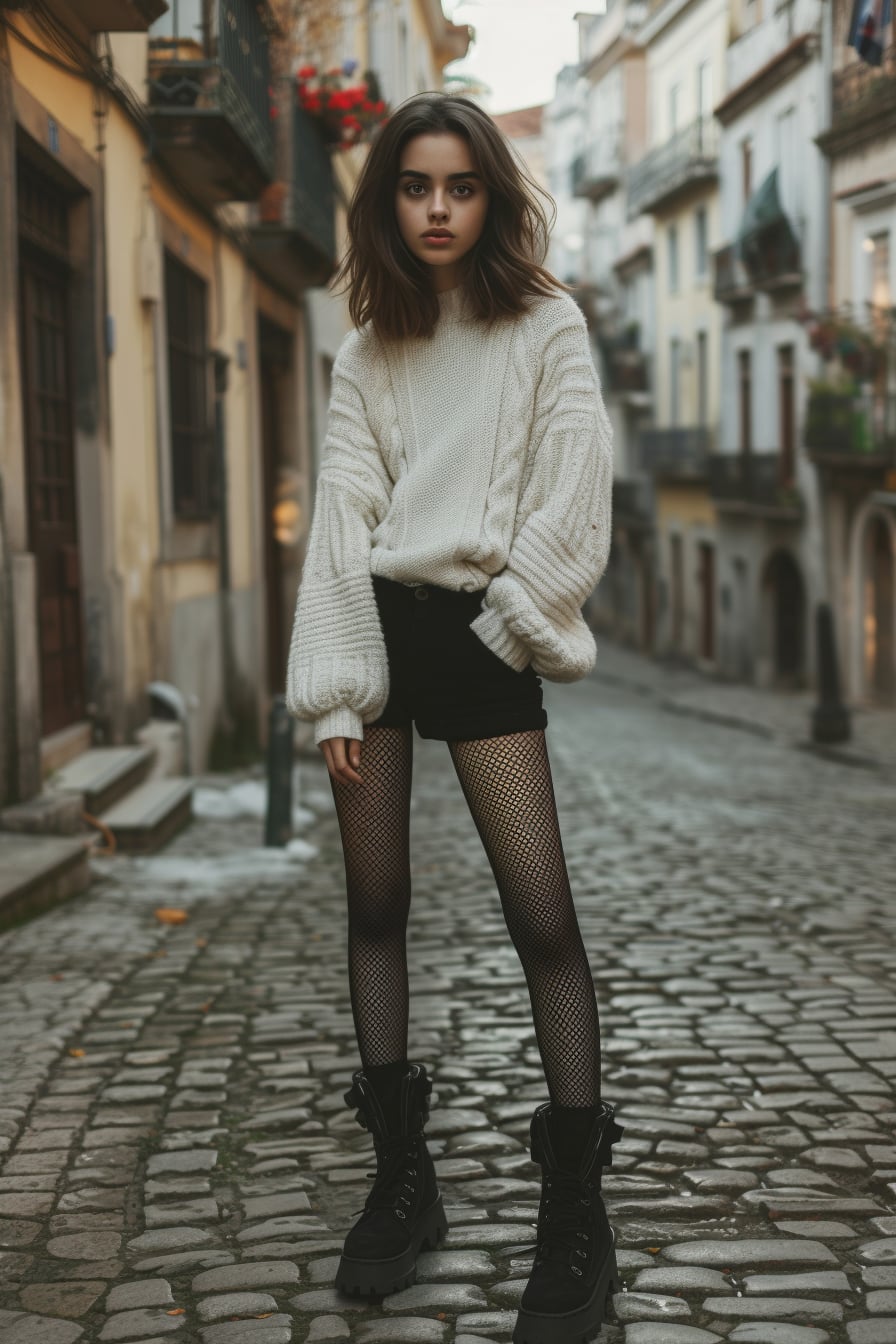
<point x="701" y="254"/>
<point x="673" y="108"/>
<point x="745" y="399"/>
<point x="877" y="245"/>
<point x="786" y="414"/>
<point x="674" y="380"/>
<point x="188" y="374"/>
<point x="704" y="89"/>
<point x="672" y="241"/>
<point x="746" y="168"/>
<point x="702" y="378"/>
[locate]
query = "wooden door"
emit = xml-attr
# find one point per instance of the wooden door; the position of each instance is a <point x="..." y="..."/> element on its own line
<point x="707" y="582"/>
<point x="52" y="496"/>
<point x="274" y="361"/>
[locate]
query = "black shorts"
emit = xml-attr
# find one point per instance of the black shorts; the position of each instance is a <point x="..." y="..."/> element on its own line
<point x="441" y="675"/>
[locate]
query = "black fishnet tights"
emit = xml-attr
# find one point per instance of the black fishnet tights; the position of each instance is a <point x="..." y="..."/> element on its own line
<point x="509" y="789"/>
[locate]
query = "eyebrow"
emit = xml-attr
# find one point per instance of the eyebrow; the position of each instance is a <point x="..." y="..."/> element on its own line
<point x="452" y="177"/>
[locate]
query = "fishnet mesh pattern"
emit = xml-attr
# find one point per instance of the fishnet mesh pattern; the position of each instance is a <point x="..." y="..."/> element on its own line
<point x="509" y="789"/>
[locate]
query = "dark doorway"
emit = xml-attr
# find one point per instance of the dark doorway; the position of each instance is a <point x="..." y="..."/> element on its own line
<point x="47" y="384"/>
<point x="784" y="585"/>
<point x="275" y="365"/>
<point x="880" y="647"/>
<point x="677" y="575"/>
<point x="706" y="579"/>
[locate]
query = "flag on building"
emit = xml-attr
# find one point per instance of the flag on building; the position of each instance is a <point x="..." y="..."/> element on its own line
<point x="866" y="29"/>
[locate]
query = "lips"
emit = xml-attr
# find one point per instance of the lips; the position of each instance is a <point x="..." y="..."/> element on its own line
<point x="438" y="233"/>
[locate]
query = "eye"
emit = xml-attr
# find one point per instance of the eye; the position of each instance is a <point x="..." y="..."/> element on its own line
<point x="461" y="186"/>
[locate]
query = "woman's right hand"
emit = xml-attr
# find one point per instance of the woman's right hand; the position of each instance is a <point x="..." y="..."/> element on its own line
<point x="343" y="756"/>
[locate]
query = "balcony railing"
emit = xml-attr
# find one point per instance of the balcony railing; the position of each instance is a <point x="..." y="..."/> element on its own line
<point x="773" y="257"/>
<point x="625" y="362"/>
<point x="731" y="282"/>
<point x="753" y="483"/>
<point x="856" y="433"/>
<point x="596" y="171"/>
<point x="676" y="454"/>
<point x="632" y="503"/>
<point x="110" y="16"/>
<point x="862" y="89"/>
<point x="294" y="240"/>
<point x="209" y="96"/>
<point x="689" y="157"/>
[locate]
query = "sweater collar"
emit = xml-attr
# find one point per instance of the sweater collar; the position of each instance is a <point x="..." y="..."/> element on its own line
<point x="453" y="303"/>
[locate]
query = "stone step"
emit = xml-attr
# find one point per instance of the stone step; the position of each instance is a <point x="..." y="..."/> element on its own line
<point x="39" y="871"/>
<point x="150" y="814"/>
<point x="104" y="775"/>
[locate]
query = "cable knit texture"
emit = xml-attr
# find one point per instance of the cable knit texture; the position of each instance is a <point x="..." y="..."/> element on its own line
<point x="475" y="460"/>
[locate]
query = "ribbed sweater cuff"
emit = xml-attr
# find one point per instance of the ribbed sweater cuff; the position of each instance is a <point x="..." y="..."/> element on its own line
<point x="490" y="628"/>
<point x="338" y="722"/>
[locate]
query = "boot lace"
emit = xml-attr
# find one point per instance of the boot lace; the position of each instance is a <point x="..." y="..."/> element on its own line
<point x="397" y="1158"/>
<point x="560" y="1235"/>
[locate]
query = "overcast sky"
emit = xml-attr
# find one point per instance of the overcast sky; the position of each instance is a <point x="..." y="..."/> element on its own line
<point x="520" y="46"/>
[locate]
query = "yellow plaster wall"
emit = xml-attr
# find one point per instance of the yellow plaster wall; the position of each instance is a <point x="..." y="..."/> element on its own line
<point x="67" y="98"/>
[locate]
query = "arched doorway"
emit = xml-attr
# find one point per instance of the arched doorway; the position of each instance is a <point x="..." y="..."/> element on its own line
<point x="784" y="600"/>
<point x="878" y="600"/>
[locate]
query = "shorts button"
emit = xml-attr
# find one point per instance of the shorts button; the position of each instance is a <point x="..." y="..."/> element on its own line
<point x="421" y="593"/>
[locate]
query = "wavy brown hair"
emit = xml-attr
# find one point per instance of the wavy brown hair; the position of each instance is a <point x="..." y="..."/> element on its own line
<point x="389" y="285"/>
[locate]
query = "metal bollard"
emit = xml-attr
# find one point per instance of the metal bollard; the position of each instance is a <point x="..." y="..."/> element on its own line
<point x="830" y="717"/>
<point x="278" y="822"/>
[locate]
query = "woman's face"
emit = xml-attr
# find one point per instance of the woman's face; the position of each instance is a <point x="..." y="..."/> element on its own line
<point x="438" y="187"/>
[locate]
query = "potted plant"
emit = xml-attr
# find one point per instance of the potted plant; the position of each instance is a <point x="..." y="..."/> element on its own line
<point x="347" y="110"/>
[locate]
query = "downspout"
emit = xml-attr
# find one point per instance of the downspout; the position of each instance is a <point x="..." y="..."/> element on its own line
<point x="9" y="732"/>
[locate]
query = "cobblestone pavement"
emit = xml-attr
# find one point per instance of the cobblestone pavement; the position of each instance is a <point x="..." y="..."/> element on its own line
<point x="179" y="1160"/>
<point x="785" y="716"/>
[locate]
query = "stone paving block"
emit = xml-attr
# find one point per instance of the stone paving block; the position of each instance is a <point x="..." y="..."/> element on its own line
<point x="326" y="1328"/>
<point x="777" y="1332"/>
<point x="668" y="1332"/>
<point x="235" y="1278"/>
<point x="640" y="1306"/>
<point x="775" y="1308"/>
<point x="138" y="1324"/>
<point x="85" y="1246"/>
<point x="62" y="1298"/>
<point x="750" y="1251"/>
<point x="235" y="1304"/>
<point x="881" y="1251"/>
<point x="140" y="1293"/>
<point x="872" y="1332"/>
<point x="20" y="1327"/>
<point x="274" y="1330"/>
<point x="410" y="1330"/>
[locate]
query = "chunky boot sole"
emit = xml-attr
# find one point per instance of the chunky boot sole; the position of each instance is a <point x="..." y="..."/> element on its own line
<point x="365" y="1278"/>
<point x="572" y="1327"/>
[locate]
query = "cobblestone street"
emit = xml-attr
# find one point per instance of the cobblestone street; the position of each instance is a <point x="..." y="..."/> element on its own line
<point x="178" y="1159"/>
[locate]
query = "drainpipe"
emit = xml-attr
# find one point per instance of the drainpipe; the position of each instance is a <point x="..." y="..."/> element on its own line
<point x="8" y="733"/>
<point x="225" y="614"/>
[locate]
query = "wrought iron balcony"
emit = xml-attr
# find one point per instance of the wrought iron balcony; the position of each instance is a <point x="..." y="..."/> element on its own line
<point x="851" y="433"/>
<point x="676" y="454"/>
<point x="772" y="256"/>
<point x="625" y="362"/>
<point x="596" y="171"/>
<point x="632" y="504"/>
<point x="209" y="99"/>
<point x="110" y="16"/>
<point x="294" y="238"/>
<point x="863" y="94"/>
<point x="688" y="158"/>
<point x="753" y="483"/>
<point x="731" y="282"/>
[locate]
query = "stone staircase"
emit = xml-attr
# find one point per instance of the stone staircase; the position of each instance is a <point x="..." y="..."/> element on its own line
<point x="101" y="795"/>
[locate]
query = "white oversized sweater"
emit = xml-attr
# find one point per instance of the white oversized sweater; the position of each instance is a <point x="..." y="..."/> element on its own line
<point x="472" y="460"/>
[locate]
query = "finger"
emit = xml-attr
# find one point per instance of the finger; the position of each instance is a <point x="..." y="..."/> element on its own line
<point x="343" y="765"/>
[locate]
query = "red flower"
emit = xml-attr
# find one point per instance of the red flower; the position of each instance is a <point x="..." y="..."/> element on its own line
<point x="306" y="71"/>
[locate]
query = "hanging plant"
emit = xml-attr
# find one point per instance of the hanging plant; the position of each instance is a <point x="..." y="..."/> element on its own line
<point x="347" y="110"/>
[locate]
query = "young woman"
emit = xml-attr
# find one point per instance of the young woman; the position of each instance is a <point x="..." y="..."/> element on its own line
<point x="462" y="517"/>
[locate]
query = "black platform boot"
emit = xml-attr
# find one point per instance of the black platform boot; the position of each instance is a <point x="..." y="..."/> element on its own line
<point x="574" y="1272"/>
<point x="403" y="1212"/>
